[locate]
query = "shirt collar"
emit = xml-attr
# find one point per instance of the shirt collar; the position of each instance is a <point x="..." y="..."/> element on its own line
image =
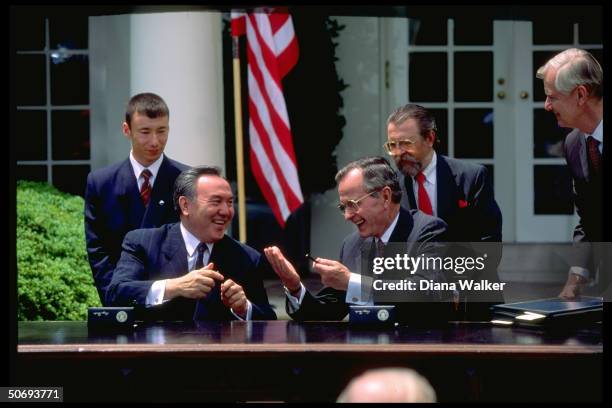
<point x="430" y="171"/>
<point x="191" y="242"/>
<point x="598" y="133"/>
<point x="385" y="237"/>
<point x="138" y="168"/>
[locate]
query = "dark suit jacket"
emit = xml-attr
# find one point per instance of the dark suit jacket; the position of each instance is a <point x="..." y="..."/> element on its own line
<point x="465" y="201"/>
<point x="414" y="228"/>
<point x="159" y="253"/>
<point x="113" y="208"/>
<point x="589" y="201"/>
<point x="588" y="191"/>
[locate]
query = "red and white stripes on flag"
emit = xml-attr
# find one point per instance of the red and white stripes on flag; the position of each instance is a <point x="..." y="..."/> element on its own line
<point x="272" y="51"/>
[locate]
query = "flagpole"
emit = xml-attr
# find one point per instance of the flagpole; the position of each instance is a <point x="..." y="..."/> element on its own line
<point x="239" y="150"/>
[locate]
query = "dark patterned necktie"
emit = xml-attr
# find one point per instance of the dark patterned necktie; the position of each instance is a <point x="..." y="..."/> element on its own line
<point x="201" y="249"/>
<point x="145" y="190"/>
<point x="594" y="155"/>
<point x="380" y="248"/>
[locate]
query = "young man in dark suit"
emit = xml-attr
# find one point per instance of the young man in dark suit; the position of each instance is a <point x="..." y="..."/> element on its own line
<point x="573" y="83"/>
<point x="369" y="194"/>
<point x="456" y="191"/>
<point x="191" y="270"/>
<point x="134" y="193"/>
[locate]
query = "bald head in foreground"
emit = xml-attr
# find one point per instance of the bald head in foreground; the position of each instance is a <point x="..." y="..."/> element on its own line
<point x="388" y="385"/>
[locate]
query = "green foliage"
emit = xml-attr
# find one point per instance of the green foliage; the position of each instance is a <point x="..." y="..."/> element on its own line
<point x="54" y="280"/>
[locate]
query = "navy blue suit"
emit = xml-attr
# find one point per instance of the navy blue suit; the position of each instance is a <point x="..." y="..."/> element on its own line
<point x="113" y="208"/>
<point x="153" y="254"/>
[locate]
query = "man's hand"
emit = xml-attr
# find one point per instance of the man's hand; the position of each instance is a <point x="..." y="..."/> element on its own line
<point x="333" y="273"/>
<point x="283" y="268"/>
<point x="196" y="284"/>
<point x="232" y="296"/>
<point x="573" y="287"/>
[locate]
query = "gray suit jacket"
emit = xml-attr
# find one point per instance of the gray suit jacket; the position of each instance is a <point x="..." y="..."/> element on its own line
<point x="414" y="228"/>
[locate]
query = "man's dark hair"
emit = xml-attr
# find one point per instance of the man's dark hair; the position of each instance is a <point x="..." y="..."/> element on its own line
<point x="185" y="183"/>
<point x="422" y="116"/>
<point x="148" y="104"/>
<point x="377" y="174"/>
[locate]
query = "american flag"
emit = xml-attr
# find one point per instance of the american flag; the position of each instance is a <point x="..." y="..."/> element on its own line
<point x="272" y="51"/>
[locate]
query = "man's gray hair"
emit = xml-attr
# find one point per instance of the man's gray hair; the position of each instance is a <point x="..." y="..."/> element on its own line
<point x="424" y="119"/>
<point x="185" y="183"/>
<point x="575" y="67"/>
<point x="377" y="174"/>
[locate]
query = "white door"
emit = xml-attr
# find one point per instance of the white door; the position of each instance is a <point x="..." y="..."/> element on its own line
<point x="482" y="89"/>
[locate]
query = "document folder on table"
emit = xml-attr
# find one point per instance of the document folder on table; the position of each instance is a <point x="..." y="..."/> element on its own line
<point x="551" y="312"/>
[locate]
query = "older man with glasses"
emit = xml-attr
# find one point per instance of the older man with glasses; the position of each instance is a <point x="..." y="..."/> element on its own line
<point x="369" y="194"/>
<point x="459" y="192"/>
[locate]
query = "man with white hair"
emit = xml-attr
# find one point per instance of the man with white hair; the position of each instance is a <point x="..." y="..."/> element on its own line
<point x="388" y="385"/>
<point x="573" y="83"/>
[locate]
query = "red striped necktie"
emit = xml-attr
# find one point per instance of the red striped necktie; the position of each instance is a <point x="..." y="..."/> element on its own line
<point x="145" y="190"/>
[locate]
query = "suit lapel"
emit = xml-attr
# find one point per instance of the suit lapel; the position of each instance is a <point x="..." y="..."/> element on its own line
<point x="445" y="188"/>
<point x="403" y="227"/>
<point x="582" y="150"/>
<point x="406" y="183"/>
<point x="364" y="252"/>
<point x="161" y="188"/>
<point x="175" y="253"/>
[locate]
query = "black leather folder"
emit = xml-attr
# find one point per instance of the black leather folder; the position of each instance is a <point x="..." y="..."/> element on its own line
<point x="551" y="312"/>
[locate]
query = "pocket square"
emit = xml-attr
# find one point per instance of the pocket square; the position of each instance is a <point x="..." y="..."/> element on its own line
<point x="462" y="203"/>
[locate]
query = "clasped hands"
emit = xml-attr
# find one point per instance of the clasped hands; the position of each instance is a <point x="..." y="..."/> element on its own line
<point x="333" y="273"/>
<point x="198" y="283"/>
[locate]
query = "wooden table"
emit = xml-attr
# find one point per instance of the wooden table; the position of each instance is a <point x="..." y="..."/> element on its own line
<point x="291" y="361"/>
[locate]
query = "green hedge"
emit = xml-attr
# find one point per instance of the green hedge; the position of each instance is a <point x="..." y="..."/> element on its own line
<point x="54" y="280"/>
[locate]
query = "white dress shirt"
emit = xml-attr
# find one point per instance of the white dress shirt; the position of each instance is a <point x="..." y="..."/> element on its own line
<point x="138" y="168"/>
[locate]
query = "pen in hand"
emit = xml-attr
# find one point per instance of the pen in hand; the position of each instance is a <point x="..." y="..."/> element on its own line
<point x="310" y="257"/>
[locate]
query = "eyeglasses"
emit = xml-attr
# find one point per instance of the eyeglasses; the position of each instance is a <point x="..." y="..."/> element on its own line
<point x="402" y="145"/>
<point x="353" y="205"/>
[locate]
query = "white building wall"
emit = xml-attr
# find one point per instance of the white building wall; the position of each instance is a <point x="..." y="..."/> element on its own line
<point x="109" y="87"/>
<point x="176" y="55"/>
<point x="358" y="65"/>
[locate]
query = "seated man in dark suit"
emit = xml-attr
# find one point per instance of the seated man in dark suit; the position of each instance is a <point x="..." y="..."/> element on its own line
<point x="134" y="193"/>
<point x="191" y="270"/>
<point x="370" y="198"/>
